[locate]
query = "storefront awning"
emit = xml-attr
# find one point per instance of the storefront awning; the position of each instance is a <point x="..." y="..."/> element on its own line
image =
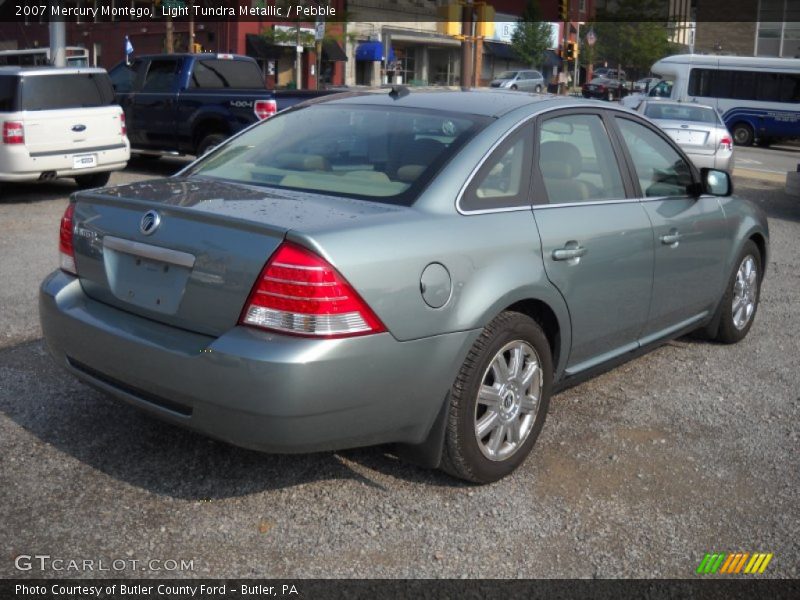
<point x="331" y="50"/>
<point x="500" y="50"/>
<point x="257" y="47"/>
<point x="373" y="51"/>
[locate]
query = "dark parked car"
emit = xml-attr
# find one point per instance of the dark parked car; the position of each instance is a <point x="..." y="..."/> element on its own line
<point x="189" y="103"/>
<point x="605" y="89"/>
<point x="418" y="268"/>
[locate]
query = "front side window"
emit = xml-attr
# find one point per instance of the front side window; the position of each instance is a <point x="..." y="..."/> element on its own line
<point x="663" y="89"/>
<point x="661" y="171"/>
<point x="577" y="161"/>
<point x="369" y="152"/>
<point x="160" y="76"/>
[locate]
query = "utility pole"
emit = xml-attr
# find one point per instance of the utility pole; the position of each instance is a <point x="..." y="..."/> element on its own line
<point x="466" y="44"/>
<point x="58" y="43"/>
<point x="191" y="26"/>
<point x="170" y="38"/>
<point x="565" y="37"/>
<point x="299" y="59"/>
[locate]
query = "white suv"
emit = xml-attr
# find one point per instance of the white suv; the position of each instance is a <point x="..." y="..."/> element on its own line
<point x="60" y="123"/>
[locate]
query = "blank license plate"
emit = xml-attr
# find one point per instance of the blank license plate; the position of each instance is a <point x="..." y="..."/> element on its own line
<point x="84" y="161"/>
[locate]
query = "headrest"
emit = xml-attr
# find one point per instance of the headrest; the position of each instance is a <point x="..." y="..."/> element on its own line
<point x="409" y="173"/>
<point x="302" y="162"/>
<point x="560" y="160"/>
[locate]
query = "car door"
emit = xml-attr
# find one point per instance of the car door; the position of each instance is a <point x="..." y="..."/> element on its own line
<point x="525" y="81"/>
<point x="597" y="241"/>
<point x="154" y="107"/>
<point x="690" y="234"/>
<point x="126" y="78"/>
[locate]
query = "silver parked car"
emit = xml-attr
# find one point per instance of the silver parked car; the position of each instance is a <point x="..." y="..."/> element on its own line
<point x="420" y="268"/>
<point x="697" y="128"/>
<point x="527" y="81"/>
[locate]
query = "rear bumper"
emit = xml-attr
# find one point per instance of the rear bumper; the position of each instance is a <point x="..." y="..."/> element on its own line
<point x="251" y="388"/>
<point x="718" y="160"/>
<point x="17" y="163"/>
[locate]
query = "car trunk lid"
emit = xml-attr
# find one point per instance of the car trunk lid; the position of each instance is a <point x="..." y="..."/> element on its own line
<point x="694" y="137"/>
<point x="187" y="252"/>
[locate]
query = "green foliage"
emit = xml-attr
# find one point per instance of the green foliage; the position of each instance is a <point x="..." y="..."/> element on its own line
<point x="532" y="36"/>
<point x="635" y="39"/>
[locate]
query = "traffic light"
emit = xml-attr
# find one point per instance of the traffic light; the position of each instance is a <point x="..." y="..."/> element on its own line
<point x="563" y="10"/>
<point x="571" y="51"/>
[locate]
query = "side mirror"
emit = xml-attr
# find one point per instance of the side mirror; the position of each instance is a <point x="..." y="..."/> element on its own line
<point x="716" y="183"/>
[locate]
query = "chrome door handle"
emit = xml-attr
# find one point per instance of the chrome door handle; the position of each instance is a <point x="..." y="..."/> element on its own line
<point x="671" y="239"/>
<point x="569" y="253"/>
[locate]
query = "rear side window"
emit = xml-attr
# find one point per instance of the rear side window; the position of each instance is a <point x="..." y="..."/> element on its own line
<point x="8" y="93"/>
<point x="217" y="74"/>
<point x="68" y="90"/>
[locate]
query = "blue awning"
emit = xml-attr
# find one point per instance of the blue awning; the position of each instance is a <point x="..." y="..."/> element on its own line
<point x="373" y="51"/>
<point x="501" y="50"/>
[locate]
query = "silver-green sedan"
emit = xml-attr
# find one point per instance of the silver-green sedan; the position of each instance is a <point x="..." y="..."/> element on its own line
<point x="418" y="268"/>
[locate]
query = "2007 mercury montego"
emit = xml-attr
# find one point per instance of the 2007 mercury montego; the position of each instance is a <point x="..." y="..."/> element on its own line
<point x="423" y="268"/>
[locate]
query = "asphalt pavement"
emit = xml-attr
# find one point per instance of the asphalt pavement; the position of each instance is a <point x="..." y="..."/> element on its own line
<point x="690" y="449"/>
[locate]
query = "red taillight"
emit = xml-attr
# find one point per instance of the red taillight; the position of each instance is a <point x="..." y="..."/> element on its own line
<point x="726" y="143"/>
<point x="123" y="129"/>
<point x="300" y="293"/>
<point x="13" y="133"/>
<point x="264" y="109"/>
<point x="66" y="252"/>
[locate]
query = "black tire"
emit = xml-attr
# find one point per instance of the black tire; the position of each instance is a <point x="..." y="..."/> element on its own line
<point x="463" y="454"/>
<point x="743" y="134"/>
<point x="728" y="332"/>
<point x="210" y="142"/>
<point x="538" y="89"/>
<point x="514" y="87"/>
<point x="95" y="180"/>
<point x="608" y="97"/>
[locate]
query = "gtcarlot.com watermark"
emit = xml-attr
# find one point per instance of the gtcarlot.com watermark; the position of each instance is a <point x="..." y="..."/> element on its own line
<point x="45" y="562"/>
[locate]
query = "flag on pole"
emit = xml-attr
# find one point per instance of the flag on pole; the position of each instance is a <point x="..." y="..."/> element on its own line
<point x="128" y="47"/>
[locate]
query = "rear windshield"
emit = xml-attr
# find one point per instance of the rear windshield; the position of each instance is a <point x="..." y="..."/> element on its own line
<point x="241" y="74"/>
<point x="682" y="112"/>
<point x="66" y="90"/>
<point x="8" y="93"/>
<point x="385" y="154"/>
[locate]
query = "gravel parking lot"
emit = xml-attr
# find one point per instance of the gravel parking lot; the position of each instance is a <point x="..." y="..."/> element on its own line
<point x="638" y="473"/>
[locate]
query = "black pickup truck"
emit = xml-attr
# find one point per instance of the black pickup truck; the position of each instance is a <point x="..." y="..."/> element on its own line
<point x="189" y="103"/>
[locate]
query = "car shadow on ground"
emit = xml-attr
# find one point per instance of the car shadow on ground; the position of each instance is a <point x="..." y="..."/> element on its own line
<point x="128" y="445"/>
<point x="28" y="193"/>
<point x="770" y="197"/>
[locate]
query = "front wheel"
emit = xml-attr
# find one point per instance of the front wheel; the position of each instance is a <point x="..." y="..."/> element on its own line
<point x="538" y="89"/>
<point x="740" y="302"/>
<point x="499" y="400"/>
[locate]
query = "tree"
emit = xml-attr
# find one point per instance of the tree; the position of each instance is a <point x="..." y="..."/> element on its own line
<point x="633" y="36"/>
<point x="531" y="38"/>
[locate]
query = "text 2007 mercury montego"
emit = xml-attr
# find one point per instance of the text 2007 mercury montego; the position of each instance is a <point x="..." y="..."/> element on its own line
<point x="418" y="268"/>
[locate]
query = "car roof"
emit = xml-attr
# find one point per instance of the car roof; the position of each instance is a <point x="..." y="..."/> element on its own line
<point x="45" y="70"/>
<point x="198" y="55"/>
<point x="486" y="102"/>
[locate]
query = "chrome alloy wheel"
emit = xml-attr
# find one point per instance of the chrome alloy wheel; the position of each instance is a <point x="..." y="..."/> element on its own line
<point x="508" y="400"/>
<point x="745" y="289"/>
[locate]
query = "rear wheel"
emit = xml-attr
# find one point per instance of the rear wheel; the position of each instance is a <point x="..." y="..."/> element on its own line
<point x="94" y="180"/>
<point x="538" y="89"/>
<point x="210" y="142"/>
<point x="743" y="134"/>
<point x="740" y="302"/>
<point x="499" y="400"/>
<point x="514" y="87"/>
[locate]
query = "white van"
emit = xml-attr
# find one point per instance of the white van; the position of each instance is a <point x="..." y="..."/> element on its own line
<point x="757" y="97"/>
<point x="60" y="123"/>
